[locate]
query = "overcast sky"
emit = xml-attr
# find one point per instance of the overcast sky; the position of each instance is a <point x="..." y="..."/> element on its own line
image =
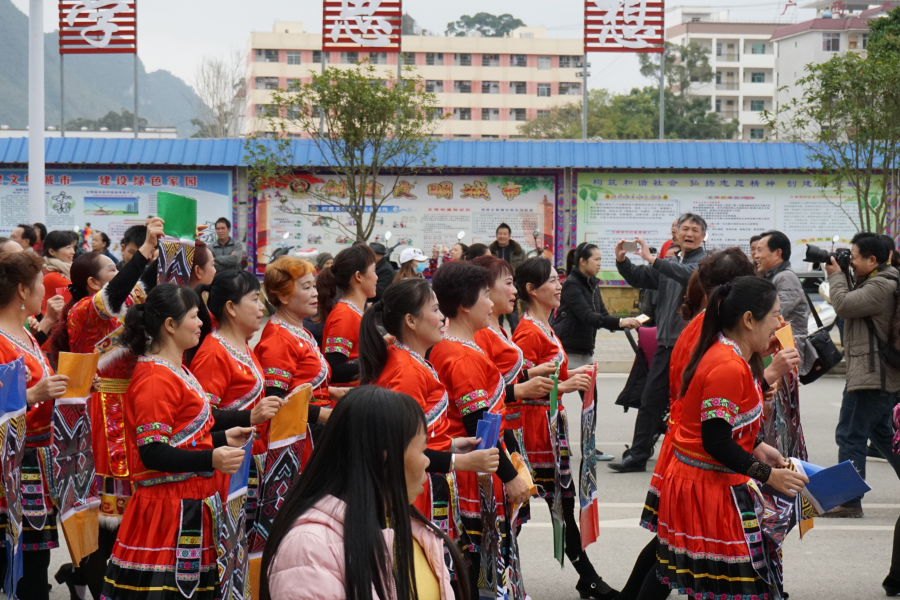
<point x="175" y="34"/>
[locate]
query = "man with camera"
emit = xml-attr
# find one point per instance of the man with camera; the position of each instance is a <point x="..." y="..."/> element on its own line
<point x="669" y="276"/>
<point x="872" y="385"/>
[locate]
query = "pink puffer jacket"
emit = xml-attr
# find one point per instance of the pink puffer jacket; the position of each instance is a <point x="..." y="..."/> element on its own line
<point x="309" y="564"/>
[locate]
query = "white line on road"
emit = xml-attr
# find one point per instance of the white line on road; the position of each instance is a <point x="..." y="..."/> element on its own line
<point x="633" y="524"/>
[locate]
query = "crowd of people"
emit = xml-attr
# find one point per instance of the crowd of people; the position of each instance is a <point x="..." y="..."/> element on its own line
<point x="386" y="488"/>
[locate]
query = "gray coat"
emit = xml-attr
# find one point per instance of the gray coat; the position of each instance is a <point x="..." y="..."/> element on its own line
<point x="669" y="276"/>
<point x="873" y="297"/>
<point x="795" y="311"/>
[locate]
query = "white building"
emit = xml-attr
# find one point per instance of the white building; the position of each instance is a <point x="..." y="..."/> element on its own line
<point x="146" y="133"/>
<point x="742" y="56"/>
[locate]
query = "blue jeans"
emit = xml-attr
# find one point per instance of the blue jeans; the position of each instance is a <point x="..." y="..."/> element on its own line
<point x="865" y="415"/>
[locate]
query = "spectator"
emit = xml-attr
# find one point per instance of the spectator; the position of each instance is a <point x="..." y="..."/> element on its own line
<point x="772" y="258"/>
<point x="131" y="242"/>
<point x="41" y="230"/>
<point x="383" y="269"/>
<point x="893" y="259"/>
<point x="8" y="245"/>
<point x="59" y="252"/>
<point x="664" y="250"/>
<point x="671" y="252"/>
<point x="754" y="244"/>
<point x="506" y="248"/>
<point x="323" y="261"/>
<point x="203" y="269"/>
<point x="872" y="385"/>
<point x="412" y="264"/>
<point x="25" y="236"/>
<point x="100" y="243"/>
<point x="476" y="251"/>
<point x="228" y="252"/>
<point x="458" y="251"/>
<point x="669" y="276"/>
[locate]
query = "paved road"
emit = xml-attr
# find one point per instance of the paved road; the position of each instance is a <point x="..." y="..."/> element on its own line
<point x="838" y="559"/>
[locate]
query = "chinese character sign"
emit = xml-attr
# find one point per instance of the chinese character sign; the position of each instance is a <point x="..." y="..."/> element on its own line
<point x="624" y="25"/>
<point x="352" y="25"/>
<point x="98" y="26"/>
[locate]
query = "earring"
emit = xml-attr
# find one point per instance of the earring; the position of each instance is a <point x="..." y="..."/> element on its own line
<point x="23" y="307"/>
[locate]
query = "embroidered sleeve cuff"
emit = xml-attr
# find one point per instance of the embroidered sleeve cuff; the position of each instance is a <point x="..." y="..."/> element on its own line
<point x="213" y="399"/>
<point x="718" y="408"/>
<point x="278" y="378"/>
<point x="150" y="433"/>
<point x="339" y="345"/>
<point x="472" y="402"/>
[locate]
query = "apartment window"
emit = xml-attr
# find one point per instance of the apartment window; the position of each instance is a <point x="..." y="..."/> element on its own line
<point x="293" y="57"/>
<point x="378" y="58"/>
<point x="317" y="57"/>
<point x="757" y="77"/>
<point x="266" y="55"/>
<point x="490" y="114"/>
<point x="518" y="87"/>
<point x="757" y="133"/>
<point x="518" y="60"/>
<point x="543" y="90"/>
<point x="378" y="83"/>
<point x="462" y="87"/>
<point x="543" y="114"/>
<point x="718" y="105"/>
<point x="462" y="60"/>
<point x="408" y="60"/>
<point x="490" y="87"/>
<point x="718" y="77"/>
<point x="570" y="62"/>
<point x="695" y="19"/>
<point x="570" y="89"/>
<point x="293" y="83"/>
<point x="434" y="87"/>
<point x="434" y="58"/>
<point x="436" y="113"/>
<point x="831" y="42"/>
<point x="757" y="105"/>
<point x="293" y="113"/>
<point x="517" y="114"/>
<point x="266" y="110"/>
<point x="490" y="60"/>
<point x="490" y="137"/>
<point x="462" y="114"/>
<point x="266" y="83"/>
<point x="865" y="40"/>
<point x="349" y="58"/>
<point x="544" y="63"/>
<point x="757" y="48"/>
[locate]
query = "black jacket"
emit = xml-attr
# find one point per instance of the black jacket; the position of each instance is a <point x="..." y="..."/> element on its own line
<point x="385" y="273"/>
<point x="581" y="313"/>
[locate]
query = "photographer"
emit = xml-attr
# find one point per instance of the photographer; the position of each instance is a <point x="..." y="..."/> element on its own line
<point x="669" y="276"/>
<point x="872" y="385"/>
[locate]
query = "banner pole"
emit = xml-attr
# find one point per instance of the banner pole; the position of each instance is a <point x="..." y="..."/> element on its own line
<point x="62" y="96"/>
<point x="662" y="94"/>
<point x="37" y="201"/>
<point x="135" y="94"/>
<point x="584" y="96"/>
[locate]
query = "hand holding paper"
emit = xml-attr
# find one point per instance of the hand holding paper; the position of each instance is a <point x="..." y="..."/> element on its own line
<point x="832" y="486"/>
<point x="80" y="370"/>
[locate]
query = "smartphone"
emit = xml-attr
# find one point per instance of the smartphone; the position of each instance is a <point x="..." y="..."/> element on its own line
<point x="629" y="246"/>
<point x="642" y="319"/>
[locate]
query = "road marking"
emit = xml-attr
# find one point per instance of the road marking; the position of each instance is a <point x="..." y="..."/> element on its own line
<point x="633" y="524"/>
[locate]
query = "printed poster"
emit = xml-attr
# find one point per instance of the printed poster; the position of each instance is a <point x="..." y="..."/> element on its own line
<point x="420" y="211"/>
<point x="614" y="206"/>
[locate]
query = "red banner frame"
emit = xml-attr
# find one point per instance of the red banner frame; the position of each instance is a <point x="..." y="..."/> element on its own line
<point x="98" y="27"/>
<point x="363" y="20"/>
<point x="635" y="26"/>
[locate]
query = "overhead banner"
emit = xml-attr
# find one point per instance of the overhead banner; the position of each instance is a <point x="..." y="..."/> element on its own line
<point x="351" y="25"/>
<point x="112" y="200"/>
<point x="420" y="211"/>
<point x="615" y="206"/>
<point x="616" y="26"/>
<point x="97" y="27"/>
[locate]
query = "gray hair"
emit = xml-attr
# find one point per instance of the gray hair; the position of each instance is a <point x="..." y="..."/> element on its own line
<point x="693" y="219"/>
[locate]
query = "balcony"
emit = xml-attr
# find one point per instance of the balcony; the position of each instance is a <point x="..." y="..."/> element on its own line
<point x="727" y="115"/>
<point x="728" y="57"/>
<point x="728" y="86"/>
<point x="750" y="117"/>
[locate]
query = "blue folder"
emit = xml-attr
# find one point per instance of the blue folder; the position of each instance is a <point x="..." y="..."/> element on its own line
<point x="832" y="486"/>
<point x="241" y="478"/>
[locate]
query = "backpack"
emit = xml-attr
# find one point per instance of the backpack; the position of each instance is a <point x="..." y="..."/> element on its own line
<point x="889" y="352"/>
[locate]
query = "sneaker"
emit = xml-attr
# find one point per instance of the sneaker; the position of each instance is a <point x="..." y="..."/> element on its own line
<point x="603" y="456"/>
<point x="844" y="512"/>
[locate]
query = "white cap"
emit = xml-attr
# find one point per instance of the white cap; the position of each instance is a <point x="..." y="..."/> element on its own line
<point x="409" y="254"/>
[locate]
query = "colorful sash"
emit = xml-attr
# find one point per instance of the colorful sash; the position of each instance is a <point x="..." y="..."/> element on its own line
<point x="12" y="436"/>
<point x="232" y="547"/>
<point x="590" y="517"/>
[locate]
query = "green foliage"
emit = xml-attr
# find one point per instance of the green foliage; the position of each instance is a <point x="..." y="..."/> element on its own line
<point x="884" y="33"/>
<point x="369" y="127"/>
<point x="685" y="66"/>
<point x="112" y="120"/>
<point x="846" y="112"/>
<point x="487" y="24"/>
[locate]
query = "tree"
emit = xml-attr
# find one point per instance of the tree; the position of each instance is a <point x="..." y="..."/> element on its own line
<point x="369" y="127"/>
<point x="112" y="121"/>
<point x="846" y="113"/>
<point x="485" y="23"/>
<point x="685" y="66"/>
<point x="220" y="85"/>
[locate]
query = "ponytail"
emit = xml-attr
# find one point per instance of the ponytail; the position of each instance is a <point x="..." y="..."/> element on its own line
<point x="373" y="350"/>
<point x="327" y="289"/>
<point x="134" y="335"/>
<point x="726" y="306"/>
<point x="144" y="322"/>
<point x="347" y="263"/>
<point x="84" y="267"/>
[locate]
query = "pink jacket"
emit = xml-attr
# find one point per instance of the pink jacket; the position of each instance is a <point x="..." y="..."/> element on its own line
<point x="309" y="564"/>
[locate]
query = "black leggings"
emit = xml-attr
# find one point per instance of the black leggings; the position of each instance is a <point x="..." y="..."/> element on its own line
<point x="643" y="574"/>
<point x="895" y="556"/>
<point x="577" y="556"/>
<point x="35" y="584"/>
<point x="93" y="568"/>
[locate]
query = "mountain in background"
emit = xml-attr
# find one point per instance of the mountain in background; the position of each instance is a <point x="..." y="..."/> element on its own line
<point x="95" y="84"/>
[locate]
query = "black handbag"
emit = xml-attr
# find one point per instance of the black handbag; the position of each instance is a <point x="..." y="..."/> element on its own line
<point x="828" y="354"/>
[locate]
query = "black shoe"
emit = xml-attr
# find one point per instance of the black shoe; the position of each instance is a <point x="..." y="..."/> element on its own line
<point x="891" y="586"/>
<point x="66" y="575"/>
<point x="844" y="512"/>
<point x="629" y="464"/>
<point x="598" y="590"/>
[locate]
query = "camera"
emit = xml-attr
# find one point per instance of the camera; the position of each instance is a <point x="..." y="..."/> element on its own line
<point x="814" y="254"/>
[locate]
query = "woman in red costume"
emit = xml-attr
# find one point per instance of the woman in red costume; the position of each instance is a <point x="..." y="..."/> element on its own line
<point x="708" y="546"/>
<point x="20" y="297"/>
<point x="539" y="292"/>
<point x="166" y="546"/>
<point x="409" y="312"/>
<point x="93" y="321"/>
<point x="231" y="374"/>
<point x="353" y="276"/>
<point x="474" y="387"/>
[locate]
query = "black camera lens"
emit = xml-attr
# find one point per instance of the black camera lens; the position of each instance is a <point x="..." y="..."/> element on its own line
<point x="814" y="254"/>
